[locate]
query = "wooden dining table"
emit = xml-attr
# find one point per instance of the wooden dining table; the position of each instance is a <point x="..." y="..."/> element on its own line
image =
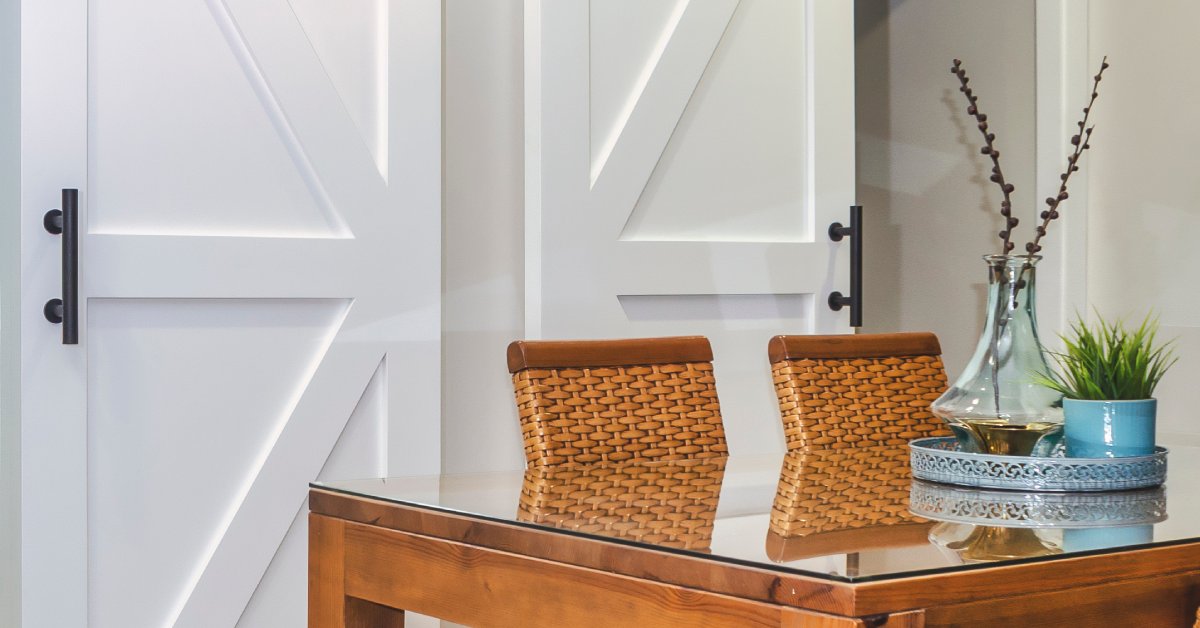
<point x="830" y="539"/>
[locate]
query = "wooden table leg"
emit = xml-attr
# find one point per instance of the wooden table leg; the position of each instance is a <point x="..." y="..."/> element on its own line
<point x="328" y="605"/>
<point x="326" y="572"/>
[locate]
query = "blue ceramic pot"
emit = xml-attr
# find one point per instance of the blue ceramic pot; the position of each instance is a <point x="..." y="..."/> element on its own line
<point x="1109" y="429"/>
<point x="1084" y="539"/>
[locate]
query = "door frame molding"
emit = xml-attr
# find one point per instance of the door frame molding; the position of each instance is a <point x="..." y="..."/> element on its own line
<point x="1063" y="82"/>
<point x="531" y="39"/>
<point x="10" y="312"/>
<point x="51" y="485"/>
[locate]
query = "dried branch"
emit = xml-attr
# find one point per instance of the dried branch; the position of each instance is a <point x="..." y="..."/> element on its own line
<point x="990" y="150"/>
<point x="1080" y="143"/>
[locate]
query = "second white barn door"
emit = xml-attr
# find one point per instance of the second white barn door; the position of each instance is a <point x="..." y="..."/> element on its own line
<point x="684" y="161"/>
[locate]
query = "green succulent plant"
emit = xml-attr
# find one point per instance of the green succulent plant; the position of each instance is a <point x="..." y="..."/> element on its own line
<point x="1110" y="362"/>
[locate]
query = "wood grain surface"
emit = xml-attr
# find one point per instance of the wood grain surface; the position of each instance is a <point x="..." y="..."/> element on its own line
<point x="690" y="571"/>
<point x="1166" y="601"/>
<point x="364" y="614"/>
<point x="763" y="584"/>
<point x="477" y="586"/>
<point x="326" y="578"/>
<point x="1067" y="574"/>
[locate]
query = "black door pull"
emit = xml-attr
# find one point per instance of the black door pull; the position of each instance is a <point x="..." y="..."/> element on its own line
<point x="65" y="221"/>
<point x="837" y="300"/>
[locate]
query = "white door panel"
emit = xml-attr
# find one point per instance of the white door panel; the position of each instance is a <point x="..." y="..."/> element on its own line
<point x="697" y="191"/>
<point x="168" y="460"/>
<point x="684" y="160"/>
<point x="231" y="164"/>
<point x="275" y="603"/>
<point x="259" y="254"/>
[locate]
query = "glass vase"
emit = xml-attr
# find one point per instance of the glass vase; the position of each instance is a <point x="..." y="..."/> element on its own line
<point x="996" y="405"/>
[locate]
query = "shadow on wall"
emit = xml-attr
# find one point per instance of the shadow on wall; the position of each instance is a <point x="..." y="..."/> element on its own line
<point x="930" y="212"/>
<point x="881" y="281"/>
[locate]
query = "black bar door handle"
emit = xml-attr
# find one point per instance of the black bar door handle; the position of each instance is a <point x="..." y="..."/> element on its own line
<point x="65" y="221"/>
<point x="837" y="300"/>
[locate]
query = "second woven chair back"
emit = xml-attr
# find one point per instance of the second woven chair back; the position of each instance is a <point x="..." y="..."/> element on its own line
<point x="834" y="501"/>
<point x="857" y="390"/>
<point x="672" y="504"/>
<point x="585" y="401"/>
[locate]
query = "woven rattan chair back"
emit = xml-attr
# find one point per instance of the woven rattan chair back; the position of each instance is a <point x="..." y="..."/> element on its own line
<point x="834" y="489"/>
<point x="832" y="501"/>
<point x="672" y="504"/>
<point x="586" y="401"/>
<point x="857" y="390"/>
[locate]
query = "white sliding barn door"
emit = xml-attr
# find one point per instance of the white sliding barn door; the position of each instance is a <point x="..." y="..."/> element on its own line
<point x="684" y="161"/>
<point x="259" y="185"/>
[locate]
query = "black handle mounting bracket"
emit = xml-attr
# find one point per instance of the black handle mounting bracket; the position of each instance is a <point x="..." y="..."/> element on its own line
<point x="65" y="222"/>
<point x="837" y="300"/>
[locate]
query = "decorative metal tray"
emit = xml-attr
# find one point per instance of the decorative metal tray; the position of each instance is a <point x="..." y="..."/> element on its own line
<point x="939" y="460"/>
<point x="1037" y="510"/>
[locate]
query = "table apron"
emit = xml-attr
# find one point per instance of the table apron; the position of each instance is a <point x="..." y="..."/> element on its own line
<point x="479" y="586"/>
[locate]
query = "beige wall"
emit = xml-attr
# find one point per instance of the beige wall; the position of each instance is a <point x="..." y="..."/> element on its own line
<point x="482" y="239"/>
<point x="1144" y="209"/>
<point x="929" y="210"/>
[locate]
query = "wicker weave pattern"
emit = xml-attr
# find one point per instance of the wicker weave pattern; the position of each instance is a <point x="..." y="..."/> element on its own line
<point x="588" y="415"/>
<point x="839" y="403"/>
<point x="671" y="504"/>
<point x="828" y="490"/>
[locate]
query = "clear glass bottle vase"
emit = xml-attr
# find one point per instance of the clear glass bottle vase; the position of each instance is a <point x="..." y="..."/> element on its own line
<point x="997" y="405"/>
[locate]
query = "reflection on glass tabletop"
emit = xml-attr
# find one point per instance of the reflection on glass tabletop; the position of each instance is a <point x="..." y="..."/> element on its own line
<point x="849" y="514"/>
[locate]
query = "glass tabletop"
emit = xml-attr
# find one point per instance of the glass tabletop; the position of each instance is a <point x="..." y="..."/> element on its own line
<point x="850" y="514"/>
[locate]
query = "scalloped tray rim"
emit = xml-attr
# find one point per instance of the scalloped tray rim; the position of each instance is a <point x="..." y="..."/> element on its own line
<point x="925" y="446"/>
<point x="1019" y="499"/>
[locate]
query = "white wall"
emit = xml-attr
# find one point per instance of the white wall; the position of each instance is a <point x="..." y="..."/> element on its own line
<point x="10" y="292"/>
<point x="1144" y="209"/>
<point x="929" y="210"/>
<point x="483" y="258"/>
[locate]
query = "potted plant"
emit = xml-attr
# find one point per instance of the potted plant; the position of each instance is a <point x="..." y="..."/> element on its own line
<point x="1107" y="375"/>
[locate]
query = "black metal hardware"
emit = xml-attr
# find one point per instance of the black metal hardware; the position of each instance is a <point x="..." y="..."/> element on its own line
<point x="837" y="300"/>
<point x="66" y="223"/>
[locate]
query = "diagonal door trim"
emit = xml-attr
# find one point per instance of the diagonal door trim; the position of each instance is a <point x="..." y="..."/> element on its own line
<point x="243" y="547"/>
<point x="660" y="104"/>
<point x="635" y="96"/>
<point x="266" y="96"/>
